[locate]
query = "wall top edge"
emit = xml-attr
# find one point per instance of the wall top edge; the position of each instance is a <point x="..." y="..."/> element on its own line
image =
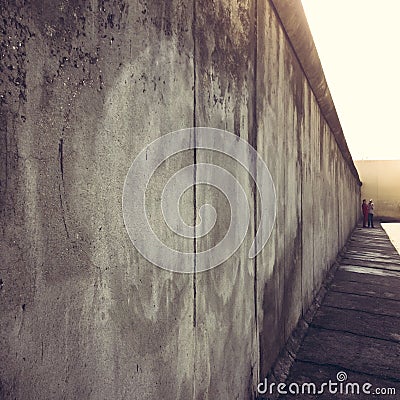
<point x="294" y="22"/>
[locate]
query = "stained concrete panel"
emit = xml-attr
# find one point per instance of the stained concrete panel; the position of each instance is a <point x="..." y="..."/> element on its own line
<point x="316" y="232"/>
<point x="81" y="309"/>
<point x="225" y="330"/>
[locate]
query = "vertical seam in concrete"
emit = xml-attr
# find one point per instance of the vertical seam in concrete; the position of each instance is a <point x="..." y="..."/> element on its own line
<point x="284" y="216"/>
<point x="194" y="199"/>
<point x="300" y="158"/>
<point x="313" y="200"/>
<point x="285" y="151"/>
<point x="194" y="161"/>
<point x="254" y="140"/>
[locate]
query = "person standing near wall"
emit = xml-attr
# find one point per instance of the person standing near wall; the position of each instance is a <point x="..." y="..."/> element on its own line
<point x="365" y="212"/>
<point x="370" y="214"/>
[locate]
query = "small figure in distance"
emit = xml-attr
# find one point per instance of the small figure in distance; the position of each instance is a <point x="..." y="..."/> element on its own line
<point x="364" y="207"/>
<point x="370" y="214"/>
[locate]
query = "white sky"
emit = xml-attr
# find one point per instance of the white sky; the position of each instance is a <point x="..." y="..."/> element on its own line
<point x="358" y="42"/>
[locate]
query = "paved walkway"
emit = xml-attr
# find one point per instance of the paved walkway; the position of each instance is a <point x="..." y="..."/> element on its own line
<point x="357" y="328"/>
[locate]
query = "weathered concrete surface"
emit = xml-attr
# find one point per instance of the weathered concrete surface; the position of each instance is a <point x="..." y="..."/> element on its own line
<point x="85" y="86"/>
<point x="315" y="210"/>
<point x="356" y="333"/>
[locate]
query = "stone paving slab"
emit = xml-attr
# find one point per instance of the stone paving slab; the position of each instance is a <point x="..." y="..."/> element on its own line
<point x="364" y="324"/>
<point x="357" y="327"/>
<point x="370" y="264"/>
<point x="363" y="303"/>
<point x="346" y="350"/>
<point x="365" y="276"/>
<point x="367" y="289"/>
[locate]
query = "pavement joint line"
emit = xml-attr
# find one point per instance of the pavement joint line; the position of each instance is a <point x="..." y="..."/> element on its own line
<point x="372" y="258"/>
<point x="363" y="295"/>
<point x="359" y="310"/>
<point x="375" y="251"/>
<point x="320" y="327"/>
<point x="380" y="284"/>
<point x="378" y="253"/>
<point x="371" y="271"/>
<point x="383" y="263"/>
<point x="354" y="371"/>
<point x="369" y="266"/>
<point x="389" y="255"/>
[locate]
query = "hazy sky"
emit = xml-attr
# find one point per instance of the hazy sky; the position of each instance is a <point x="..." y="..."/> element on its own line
<point x="358" y="42"/>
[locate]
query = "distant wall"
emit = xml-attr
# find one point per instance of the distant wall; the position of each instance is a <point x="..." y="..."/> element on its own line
<point x="85" y="85"/>
<point x="381" y="183"/>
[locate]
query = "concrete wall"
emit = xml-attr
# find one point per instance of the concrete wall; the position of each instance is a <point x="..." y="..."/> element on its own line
<point x="85" y="85"/>
<point x="380" y="180"/>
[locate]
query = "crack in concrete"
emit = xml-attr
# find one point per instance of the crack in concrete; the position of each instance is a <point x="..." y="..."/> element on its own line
<point x="194" y="162"/>
<point x="61" y="157"/>
<point x="61" y="161"/>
